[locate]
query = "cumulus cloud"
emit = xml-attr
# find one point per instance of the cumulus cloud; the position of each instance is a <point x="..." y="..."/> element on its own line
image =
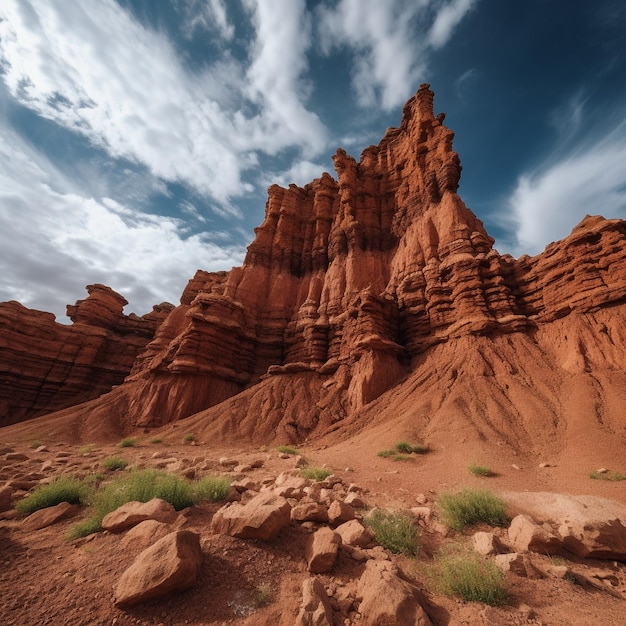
<point x="55" y="240"/>
<point x="587" y="179"/>
<point x="389" y="58"/>
<point x="105" y="76"/>
<point x="205" y="15"/>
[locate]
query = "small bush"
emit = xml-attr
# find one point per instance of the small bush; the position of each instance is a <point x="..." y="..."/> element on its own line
<point x="408" y="448"/>
<point x="35" y="444"/>
<point x="264" y="595"/>
<point x="472" y="506"/>
<point x="386" y="453"/>
<point x="315" y="473"/>
<point x="213" y="489"/>
<point x="114" y="463"/>
<point x="189" y="438"/>
<point x="62" y="489"/>
<point x="472" y="579"/>
<point x="129" y="442"/>
<point x="480" y="470"/>
<point x="614" y="476"/>
<point x="395" y="531"/>
<point x="288" y="450"/>
<point x="156" y="440"/>
<point x="88" y="449"/>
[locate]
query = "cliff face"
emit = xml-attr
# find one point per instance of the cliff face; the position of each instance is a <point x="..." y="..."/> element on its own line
<point x="46" y="366"/>
<point x="350" y="285"/>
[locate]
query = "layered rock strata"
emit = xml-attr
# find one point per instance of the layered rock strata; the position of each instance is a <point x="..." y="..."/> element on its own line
<point x="46" y="366"/>
<point x="349" y="284"/>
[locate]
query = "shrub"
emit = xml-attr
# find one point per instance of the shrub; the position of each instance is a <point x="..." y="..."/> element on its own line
<point x="614" y="476"/>
<point x="472" y="506"/>
<point x="288" y="450"/>
<point x="156" y="440"/>
<point x="264" y="595"/>
<point x="386" y="453"/>
<point x="35" y="444"/>
<point x="62" y="489"/>
<point x="88" y="449"/>
<point x="213" y="489"/>
<point x="129" y="442"/>
<point x="189" y="438"/>
<point x="114" y="463"/>
<point x="315" y="473"/>
<point x="395" y="531"/>
<point x="409" y="448"/>
<point x="143" y="485"/>
<point x="480" y="470"/>
<point x="472" y="579"/>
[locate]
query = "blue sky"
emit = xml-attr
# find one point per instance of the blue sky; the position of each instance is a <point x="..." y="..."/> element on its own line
<point x="138" y="137"/>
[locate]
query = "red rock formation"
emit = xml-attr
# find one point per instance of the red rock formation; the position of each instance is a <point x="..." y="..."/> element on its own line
<point x="352" y="285"/>
<point x="46" y="366"/>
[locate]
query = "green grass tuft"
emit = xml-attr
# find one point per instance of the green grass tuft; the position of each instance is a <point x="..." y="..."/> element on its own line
<point x="88" y="449"/>
<point x="35" y="444"/>
<point x="409" y="448"/>
<point x="212" y="488"/>
<point x="189" y="438"/>
<point x="315" y="473"/>
<point x="472" y="506"/>
<point x="613" y="476"/>
<point x="472" y="579"/>
<point x="143" y="485"/>
<point x="386" y="453"/>
<point x="288" y="450"/>
<point x="480" y="470"/>
<point x="156" y="440"/>
<point x="114" y="463"/>
<point x="62" y="489"/>
<point x="129" y="442"/>
<point x="395" y="531"/>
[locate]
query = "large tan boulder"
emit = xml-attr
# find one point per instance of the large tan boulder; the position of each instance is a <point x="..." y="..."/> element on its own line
<point x="263" y="517"/>
<point x="171" y="564"/>
<point x="321" y="550"/>
<point x="587" y="526"/>
<point x="525" y="535"/>
<point x="144" y="534"/>
<point x="387" y="599"/>
<point x="132" y="513"/>
<point x="316" y="609"/>
<point x="353" y="533"/>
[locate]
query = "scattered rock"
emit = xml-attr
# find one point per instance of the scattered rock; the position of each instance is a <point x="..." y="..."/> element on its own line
<point x="316" y="609"/>
<point x="354" y="500"/>
<point x="144" y="534"/>
<point x="6" y="498"/>
<point x="526" y="535"/>
<point x="353" y="533"/>
<point x="132" y="513"/>
<point x="340" y="512"/>
<point x="48" y="516"/>
<point x="309" y="512"/>
<point x="387" y="598"/>
<point x="263" y="517"/>
<point x="171" y="564"/>
<point x="517" y="563"/>
<point x="486" y="543"/>
<point x="321" y="550"/>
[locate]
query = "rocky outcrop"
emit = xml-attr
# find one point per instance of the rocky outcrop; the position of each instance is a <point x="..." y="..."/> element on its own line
<point x="358" y="282"/>
<point x="46" y="366"/>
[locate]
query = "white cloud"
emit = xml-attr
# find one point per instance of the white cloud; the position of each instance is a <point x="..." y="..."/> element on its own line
<point x="546" y="203"/>
<point x="55" y="241"/>
<point x="390" y="56"/>
<point x="447" y="19"/>
<point x="300" y="173"/>
<point x="206" y="15"/>
<point x="98" y="72"/>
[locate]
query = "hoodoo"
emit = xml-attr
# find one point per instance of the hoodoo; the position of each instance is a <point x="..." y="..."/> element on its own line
<point x="379" y="293"/>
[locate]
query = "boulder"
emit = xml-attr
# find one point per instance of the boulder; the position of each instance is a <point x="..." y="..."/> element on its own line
<point x="309" y="512"/>
<point x="316" y="609"/>
<point x="144" y="534"/>
<point x="321" y="550"/>
<point x="387" y="599"/>
<point x="6" y="498"/>
<point x="587" y="526"/>
<point x="263" y="517"/>
<point x="517" y="563"/>
<point x="526" y="535"/>
<point x="340" y="512"/>
<point x="49" y="516"/>
<point x="171" y="564"/>
<point x="487" y="543"/>
<point x="353" y="533"/>
<point x="132" y="513"/>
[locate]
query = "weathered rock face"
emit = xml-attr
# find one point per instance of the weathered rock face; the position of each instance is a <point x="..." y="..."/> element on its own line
<point x="46" y="366"/>
<point x="353" y="284"/>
